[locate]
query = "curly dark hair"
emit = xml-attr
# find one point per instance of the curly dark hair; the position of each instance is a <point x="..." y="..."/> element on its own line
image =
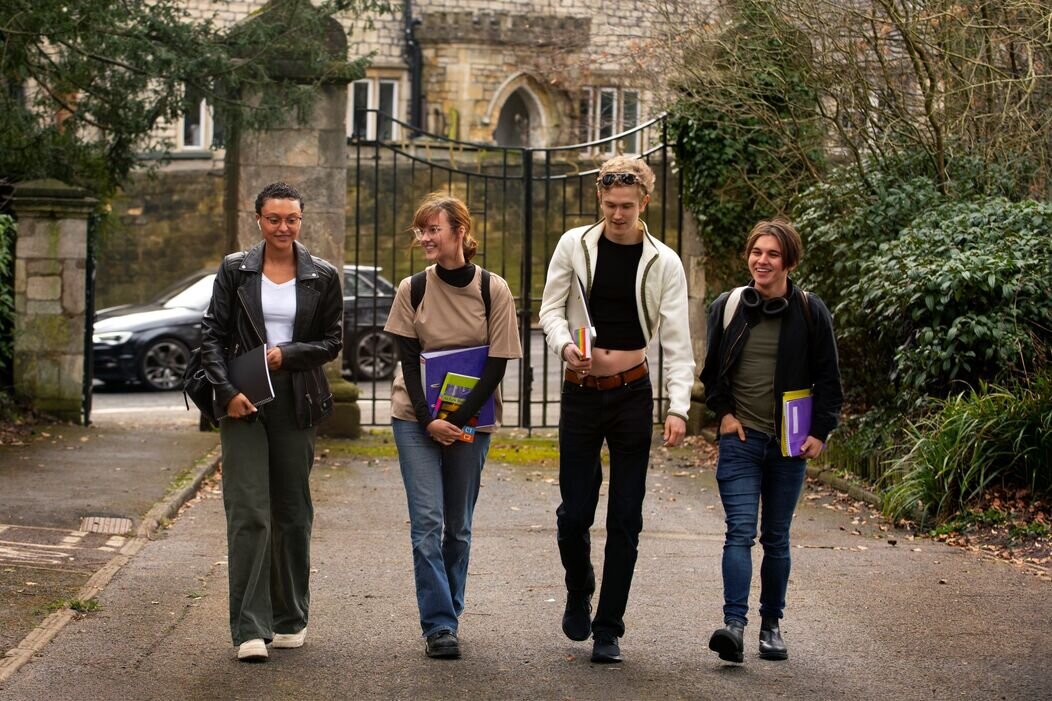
<point x="278" y="191"/>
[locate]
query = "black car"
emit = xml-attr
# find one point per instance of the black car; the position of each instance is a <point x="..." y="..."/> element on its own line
<point x="151" y="343"/>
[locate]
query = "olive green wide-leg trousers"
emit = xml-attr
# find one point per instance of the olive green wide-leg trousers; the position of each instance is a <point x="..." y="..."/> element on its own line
<point x="266" y="491"/>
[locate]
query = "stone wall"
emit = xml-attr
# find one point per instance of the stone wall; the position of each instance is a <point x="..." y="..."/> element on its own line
<point x="160" y="230"/>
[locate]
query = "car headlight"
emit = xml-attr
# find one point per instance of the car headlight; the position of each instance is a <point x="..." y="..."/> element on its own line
<point x="111" y="338"/>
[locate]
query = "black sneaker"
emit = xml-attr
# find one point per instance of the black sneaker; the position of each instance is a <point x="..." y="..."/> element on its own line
<point x="443" y="644"/>
<point x="577" y="618"/>
<point x="606" y="650"/>
<point x="727" y="641"/>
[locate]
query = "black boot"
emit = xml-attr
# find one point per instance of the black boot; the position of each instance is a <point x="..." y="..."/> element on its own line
<point x="577" y="618"/>
<point x="728" y="642"/>
<point x="605" y="650"/>
<point x="772" y="647"/>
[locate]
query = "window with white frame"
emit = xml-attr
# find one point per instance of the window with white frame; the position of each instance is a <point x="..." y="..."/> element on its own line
<point x="378" y="94"/>
<point x="604" y="112"/>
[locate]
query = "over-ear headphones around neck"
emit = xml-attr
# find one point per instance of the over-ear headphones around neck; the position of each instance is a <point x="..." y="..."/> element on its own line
<point x="774" y="306"/>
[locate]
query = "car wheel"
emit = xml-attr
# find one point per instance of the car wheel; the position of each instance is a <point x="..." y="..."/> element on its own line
<point x="373" y="355"/>
<point x="163" y="364"/>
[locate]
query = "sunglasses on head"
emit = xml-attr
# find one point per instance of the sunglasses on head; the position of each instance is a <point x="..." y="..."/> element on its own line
<point x="611" y="179"/>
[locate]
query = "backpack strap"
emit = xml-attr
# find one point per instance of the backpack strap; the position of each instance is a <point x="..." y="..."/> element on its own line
<point x="731" y="306"/>
<point x="805" y="298"/>
<point x="418" y="284"/>
<point x="485" y="291"/>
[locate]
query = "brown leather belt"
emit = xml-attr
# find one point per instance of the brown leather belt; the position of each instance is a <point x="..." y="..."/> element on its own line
<point x="609" y="381"/>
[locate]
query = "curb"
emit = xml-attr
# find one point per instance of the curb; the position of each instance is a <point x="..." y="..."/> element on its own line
<point x="827" y="476"/>
<point x="169" y="506"/>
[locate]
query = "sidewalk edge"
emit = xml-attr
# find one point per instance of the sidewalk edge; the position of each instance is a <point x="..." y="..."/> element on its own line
<point x="38" y="638"/>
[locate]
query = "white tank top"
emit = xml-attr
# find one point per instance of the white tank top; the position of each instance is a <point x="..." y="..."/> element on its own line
<point x="279" y="310"/>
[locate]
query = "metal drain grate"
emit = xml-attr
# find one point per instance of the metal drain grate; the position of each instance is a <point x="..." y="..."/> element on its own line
<point x="112" y="525"/>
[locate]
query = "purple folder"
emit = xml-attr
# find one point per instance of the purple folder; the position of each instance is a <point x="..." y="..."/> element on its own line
<point x="796" y="421"/>
<point x="464" y="361"/>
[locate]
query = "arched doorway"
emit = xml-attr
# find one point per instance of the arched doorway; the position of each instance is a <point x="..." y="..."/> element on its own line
<point x="513" y="127"/>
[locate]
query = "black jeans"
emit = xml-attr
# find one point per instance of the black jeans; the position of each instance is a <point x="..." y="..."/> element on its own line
<point x="623" y="417"/>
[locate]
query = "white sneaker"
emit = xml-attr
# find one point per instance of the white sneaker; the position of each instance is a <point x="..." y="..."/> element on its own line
<point x="289" y="640"/>
<point x="252" y="651"/>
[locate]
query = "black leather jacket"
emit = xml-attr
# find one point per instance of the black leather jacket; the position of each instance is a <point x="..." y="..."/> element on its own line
<point x="234" y="325"/>
<point x="807" y="359"/>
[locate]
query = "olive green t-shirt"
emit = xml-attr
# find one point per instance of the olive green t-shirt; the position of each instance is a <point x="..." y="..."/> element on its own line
<point x="454" y="317"/>
<point x="752" y="378"/>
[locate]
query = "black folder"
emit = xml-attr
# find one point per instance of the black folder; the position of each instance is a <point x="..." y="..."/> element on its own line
<point x="250" y="374"/>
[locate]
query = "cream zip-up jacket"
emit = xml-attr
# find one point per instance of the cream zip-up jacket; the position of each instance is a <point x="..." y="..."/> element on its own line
<point x="661" y="302"/>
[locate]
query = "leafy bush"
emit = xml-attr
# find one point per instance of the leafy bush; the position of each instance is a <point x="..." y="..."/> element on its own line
<point x="988" y="437"/>
<point x="964" y="294"/>
<point x="845" y="221"/>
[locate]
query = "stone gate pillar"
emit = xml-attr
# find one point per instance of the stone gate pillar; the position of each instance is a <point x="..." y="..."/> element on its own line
<point x="312" y="157"/>
<point x="694" y="264"/>
<point x="50" y="296"/>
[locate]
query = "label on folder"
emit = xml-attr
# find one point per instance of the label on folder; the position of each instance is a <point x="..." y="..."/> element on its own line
<point x="796" y="421"/>
<point x="455" y="390"/>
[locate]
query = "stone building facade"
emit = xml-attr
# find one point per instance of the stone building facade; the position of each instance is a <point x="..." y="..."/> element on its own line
<point x="509" y="72"/>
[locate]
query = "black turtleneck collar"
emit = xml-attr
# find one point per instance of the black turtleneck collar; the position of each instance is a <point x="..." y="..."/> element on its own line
<point x="461" y="277"/>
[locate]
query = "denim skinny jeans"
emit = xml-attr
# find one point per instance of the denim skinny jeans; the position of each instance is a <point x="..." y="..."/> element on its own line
<point x="441" y="486"/>
<point x="756" y="481"/>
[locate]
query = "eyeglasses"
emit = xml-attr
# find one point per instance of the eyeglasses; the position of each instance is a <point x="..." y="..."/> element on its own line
<point x="291" y="222"/>
<point x="431" y="231"/>
<point x="611" y="179"/>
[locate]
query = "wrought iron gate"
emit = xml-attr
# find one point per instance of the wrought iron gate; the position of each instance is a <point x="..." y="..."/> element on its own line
<point x="522" y="200"/>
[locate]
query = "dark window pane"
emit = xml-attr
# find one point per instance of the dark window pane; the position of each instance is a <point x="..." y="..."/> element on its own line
<point x="359" y="103"/>
<point x="606" y="114"/>
<point x="193" y="120"/>
<point x="584" y="126"/>
<point x="629" y="120"/>
<point x="387" y="107"/>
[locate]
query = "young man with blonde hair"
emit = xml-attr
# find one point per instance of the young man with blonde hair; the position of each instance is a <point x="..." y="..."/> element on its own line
<point x="607" y="396"/>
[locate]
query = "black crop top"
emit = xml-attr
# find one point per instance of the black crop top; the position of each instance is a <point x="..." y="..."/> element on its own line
<point x="612" y="299"/>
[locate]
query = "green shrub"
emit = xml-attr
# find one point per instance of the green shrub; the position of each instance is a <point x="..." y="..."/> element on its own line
<point x="988" y="437"/>
<point x="963" y="294"/>
<point x="845" y="220"/>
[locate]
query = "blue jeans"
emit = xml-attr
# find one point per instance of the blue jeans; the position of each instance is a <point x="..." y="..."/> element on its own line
<point x="753" y="474"/>
<point x="441" y="486"/>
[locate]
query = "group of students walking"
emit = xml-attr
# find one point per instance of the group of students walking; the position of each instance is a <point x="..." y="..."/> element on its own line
<point x="769" y="339"/>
